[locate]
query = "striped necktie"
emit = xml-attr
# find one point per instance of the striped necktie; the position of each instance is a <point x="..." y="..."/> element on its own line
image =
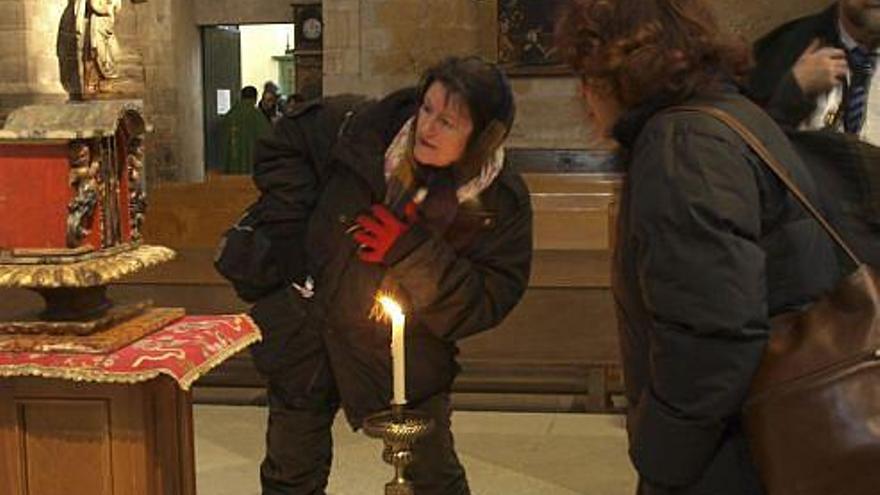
<point x="861" y="64"/>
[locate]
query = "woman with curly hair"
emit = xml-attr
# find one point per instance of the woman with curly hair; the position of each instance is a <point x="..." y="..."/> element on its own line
<point x="710" y="245"/>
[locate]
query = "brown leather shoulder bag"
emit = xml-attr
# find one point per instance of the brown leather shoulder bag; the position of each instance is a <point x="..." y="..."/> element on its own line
<point x="813" y="412"/>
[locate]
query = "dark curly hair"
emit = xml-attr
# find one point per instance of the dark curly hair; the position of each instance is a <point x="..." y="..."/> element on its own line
<point x="642" y="49"/>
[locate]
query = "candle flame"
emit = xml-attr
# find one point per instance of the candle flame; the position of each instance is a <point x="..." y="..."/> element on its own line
<point x="390" y="306"/>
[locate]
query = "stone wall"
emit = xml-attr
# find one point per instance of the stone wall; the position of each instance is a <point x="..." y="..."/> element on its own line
<point x="371" y="46"/>
<point x="374" y="46"/>
<point x="212" y="12"/>
<point x="169" y="44"/>
<point x="753" y="18"/>
<point x="29" y="33"/>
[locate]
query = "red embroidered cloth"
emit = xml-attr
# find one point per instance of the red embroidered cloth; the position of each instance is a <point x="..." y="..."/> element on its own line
<point x="184" y="350"/>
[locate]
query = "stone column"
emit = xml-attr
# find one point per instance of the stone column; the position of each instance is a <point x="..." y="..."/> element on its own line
<point x="171" y="47"/>
<point x="29" y="43"/>
<point x="342" y="46"/>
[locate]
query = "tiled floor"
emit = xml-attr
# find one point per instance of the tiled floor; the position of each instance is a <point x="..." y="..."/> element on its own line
<point x="504" y="453"/>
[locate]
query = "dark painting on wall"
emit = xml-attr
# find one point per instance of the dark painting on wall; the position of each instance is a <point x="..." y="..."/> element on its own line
<point x="525" y="37"/>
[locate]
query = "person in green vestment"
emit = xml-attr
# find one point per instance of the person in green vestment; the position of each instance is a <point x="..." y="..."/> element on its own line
<point x="242" y="125"/>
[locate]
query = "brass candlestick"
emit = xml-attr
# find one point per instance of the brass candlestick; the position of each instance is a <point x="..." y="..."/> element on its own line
<point x="399" y="429"/>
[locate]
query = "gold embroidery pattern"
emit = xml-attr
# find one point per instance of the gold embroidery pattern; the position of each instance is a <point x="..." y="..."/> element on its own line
<point x="185" y="351"/>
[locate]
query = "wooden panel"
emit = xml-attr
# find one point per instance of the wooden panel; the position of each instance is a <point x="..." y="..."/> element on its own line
<point x="562" y="161"/>
<point x="172" y="441"/>
<point x="70" y="437"/>
<point x="195" y="215"/>
<point x="572" y="183"/>
<point x="59" y="436"/>
<point x="197" y="299"/>
<point x="572" y="211"/>
<point x="492" y="386"/>
<point x="571" y="269"/>
<point x="572" y="229"/>
<point x="566" y="318"/>
<point x="191" y="266"/>
<point x="573" y="328"/>
<point x="552" y="325"/>
<point x="11" y="459"/>
<point x="194" y="266"/>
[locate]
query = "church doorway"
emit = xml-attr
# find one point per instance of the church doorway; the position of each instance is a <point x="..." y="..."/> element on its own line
<point x="267" y="58"/>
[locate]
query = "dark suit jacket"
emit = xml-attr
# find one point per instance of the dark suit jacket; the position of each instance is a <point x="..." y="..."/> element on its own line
<point x="772" y="84"/>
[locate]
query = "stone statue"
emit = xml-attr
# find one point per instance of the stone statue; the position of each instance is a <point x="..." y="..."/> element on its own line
<point x="105" y="48"/>
<point x="99" y="48"/>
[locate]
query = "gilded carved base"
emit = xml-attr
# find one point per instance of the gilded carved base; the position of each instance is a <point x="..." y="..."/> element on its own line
<point x="28" y="271"/>
<point x="103" y="341"/>
<point x="113" y="316"/>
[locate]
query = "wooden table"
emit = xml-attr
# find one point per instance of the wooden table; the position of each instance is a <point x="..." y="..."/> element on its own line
<point x="63" y="437"/>
<point x="110" y="424"/>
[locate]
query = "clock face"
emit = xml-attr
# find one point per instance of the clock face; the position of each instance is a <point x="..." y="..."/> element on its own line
<point x="312" y="28"/>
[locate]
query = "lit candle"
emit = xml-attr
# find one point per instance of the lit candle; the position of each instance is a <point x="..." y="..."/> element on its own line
<point x="398" y="351"/>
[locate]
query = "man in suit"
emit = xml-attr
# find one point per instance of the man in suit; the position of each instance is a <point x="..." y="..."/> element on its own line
<point x="817" y="72"/>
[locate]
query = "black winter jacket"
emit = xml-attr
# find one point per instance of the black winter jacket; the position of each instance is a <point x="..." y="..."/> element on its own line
<point x="710" y="247"/>
<point x="322" y="167"/>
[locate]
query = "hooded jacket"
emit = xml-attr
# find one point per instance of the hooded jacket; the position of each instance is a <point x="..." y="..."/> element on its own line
<point x="321" y="169"/>
<point x="710" y="247"/>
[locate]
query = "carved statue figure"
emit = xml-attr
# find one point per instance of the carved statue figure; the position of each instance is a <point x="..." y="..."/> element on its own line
<point x="136" y="186"/>
<point x="84" y="169"/>
<point x="110" y="174"/>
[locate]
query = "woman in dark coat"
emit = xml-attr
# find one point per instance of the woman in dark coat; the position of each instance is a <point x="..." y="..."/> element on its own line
<point x="710" y="245"/>
<point x="406" y="195"/>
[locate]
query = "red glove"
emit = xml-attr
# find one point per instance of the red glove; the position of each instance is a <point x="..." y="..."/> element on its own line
<point x="377" y="233"/>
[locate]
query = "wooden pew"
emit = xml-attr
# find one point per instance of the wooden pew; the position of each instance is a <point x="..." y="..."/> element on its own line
<point x="556" y="351"/>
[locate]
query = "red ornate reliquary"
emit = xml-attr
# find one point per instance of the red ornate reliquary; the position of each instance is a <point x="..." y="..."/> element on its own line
<point x="72" y="202"/>
<point x="71" y="178"/>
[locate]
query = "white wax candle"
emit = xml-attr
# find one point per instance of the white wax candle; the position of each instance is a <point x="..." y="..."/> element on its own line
<point x="398" y="358"/>
<point x="398" y="350"/>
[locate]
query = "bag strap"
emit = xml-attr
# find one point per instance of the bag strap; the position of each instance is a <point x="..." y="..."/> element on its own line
<point x="775" y="166"/>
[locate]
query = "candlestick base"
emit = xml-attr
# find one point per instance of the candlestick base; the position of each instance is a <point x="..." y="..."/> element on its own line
<point x="399" y="429"/>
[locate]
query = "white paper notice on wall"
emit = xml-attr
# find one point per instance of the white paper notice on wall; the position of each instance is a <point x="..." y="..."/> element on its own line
<point x="224" y="101"/>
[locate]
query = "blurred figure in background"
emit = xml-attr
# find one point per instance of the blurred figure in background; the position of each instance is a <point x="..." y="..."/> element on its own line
<point x="269" y="102"/>
<point x="241" y="126"/>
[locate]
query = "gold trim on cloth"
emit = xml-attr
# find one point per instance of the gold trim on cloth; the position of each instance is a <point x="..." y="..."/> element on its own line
<point x="76" y="375"/>
<point x="85" y="273"/>
<point x="194" y="374"/>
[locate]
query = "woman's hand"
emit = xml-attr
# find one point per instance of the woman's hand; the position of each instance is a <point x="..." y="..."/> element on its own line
<point x="378" y="232"/>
